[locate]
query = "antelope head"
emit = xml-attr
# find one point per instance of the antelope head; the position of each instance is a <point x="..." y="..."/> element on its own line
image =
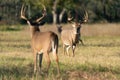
<point x="75" y="21"/>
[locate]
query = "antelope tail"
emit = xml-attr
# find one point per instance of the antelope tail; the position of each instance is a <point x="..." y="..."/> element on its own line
<point x="55" y="43"/>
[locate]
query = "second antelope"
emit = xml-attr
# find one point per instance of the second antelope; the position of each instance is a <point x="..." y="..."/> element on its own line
<point x="42" y="42"/>
<point x="70" y="37"/>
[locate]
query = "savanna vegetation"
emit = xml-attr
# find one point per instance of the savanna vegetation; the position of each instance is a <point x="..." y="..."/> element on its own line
<point x="99" y="59"/>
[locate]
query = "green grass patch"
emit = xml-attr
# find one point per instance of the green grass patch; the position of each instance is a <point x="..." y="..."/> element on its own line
<point x="99" y="59"/>
<point x="11" y="27"/>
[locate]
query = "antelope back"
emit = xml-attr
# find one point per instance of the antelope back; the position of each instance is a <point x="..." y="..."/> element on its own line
<point x="43" y="41"/>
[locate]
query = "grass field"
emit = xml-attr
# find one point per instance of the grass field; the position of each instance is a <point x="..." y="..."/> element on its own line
<point x="99" y="59"/>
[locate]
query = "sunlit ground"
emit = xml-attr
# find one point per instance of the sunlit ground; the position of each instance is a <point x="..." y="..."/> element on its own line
<point x="99" y="59"/>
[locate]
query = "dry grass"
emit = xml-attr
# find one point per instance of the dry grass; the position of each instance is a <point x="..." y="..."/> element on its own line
<point x="91" y="29"/>
<point x="101" y="30"/>
<point x="99" y="59"/>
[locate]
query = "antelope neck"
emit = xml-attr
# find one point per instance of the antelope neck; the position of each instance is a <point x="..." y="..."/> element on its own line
<point x="34" y="29"/>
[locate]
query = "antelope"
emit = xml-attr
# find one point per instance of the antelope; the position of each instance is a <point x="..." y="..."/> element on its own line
<point x="42" y="43"/>
<point x="70" y="37"/>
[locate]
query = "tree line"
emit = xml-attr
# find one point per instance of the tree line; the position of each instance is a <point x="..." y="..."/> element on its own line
<point x="57" y="10"/>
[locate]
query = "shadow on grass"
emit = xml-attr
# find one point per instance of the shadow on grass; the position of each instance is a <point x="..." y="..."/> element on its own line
<point x="90" y="72"/>
<point x="10" y="29"/>
<point x="18" y="71"/>
<point x="67" y="71"/>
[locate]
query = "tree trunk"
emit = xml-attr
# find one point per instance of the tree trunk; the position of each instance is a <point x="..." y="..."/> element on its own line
<point x="61" y="15"/>
<point x="54" y="12"/>
<point x="54" y="17"/>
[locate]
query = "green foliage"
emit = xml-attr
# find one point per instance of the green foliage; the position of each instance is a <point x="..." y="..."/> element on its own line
<point x="99" y="10"/>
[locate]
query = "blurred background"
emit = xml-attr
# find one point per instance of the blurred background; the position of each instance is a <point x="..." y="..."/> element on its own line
<point x="100" y="11"/>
